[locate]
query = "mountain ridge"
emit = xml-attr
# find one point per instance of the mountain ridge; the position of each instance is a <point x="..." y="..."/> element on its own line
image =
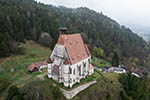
<point x="36" y="18"/>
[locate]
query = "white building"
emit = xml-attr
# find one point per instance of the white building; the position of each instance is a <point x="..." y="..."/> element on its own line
<point x="135" y="74"/>
<point x="70" y="60"/>
<point x="117" y="70"/>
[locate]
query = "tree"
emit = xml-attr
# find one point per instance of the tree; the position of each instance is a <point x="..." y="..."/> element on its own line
<point x="14" y="94"/>
<point x="45" y="40"/>
<point x="134" y="88"/>
<point x="56" y="92"/>
<point x="98" y="52"/>
<point x="115" y="59"/>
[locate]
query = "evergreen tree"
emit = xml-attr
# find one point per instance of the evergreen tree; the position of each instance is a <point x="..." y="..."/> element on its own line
<point x="115" y="59"/>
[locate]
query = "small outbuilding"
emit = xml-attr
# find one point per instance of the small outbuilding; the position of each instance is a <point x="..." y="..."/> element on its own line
<point x="37" y="66"/>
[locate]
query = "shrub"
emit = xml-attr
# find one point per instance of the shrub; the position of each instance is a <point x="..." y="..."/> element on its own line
<point x="4" y="83"/>
<point x="56" y="93"/>
<point x="13" y="94"/>
<point x="108" y="97"/>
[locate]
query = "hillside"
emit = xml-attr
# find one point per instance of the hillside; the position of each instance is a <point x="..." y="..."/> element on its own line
<point x="26" y="19"/>
<point x="13" y="71"/>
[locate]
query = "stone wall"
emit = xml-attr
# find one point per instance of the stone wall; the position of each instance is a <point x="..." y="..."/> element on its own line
<point x="71" y="93"/>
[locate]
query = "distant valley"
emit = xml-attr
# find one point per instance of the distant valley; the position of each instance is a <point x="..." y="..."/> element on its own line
<point x="142" y="31"/>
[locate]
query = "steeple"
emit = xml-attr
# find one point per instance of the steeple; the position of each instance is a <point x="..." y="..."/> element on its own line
<point x="62" y="28"/>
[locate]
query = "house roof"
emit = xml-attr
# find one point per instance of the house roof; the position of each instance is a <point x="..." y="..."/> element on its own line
<point x="37" y="65"/>
<point x="75" y="47"/>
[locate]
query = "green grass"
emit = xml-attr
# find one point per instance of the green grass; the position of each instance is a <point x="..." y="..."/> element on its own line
<point x="44" y="70"/>
<point x="20" y="63"/>
<point x="100" y="62"/>
<point x="112" y="77"/>
<point x="93" y="77"/>
<point x="98" y="91"/>
<point x="103" y="87"/>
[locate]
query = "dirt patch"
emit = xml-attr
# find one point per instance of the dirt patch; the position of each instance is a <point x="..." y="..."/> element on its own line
<point x="41" y="76"/>
<point x="2" y="59"/>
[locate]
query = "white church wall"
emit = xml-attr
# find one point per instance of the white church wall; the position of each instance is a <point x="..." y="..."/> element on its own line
<point x="66" y="75"/>
<point x="49" y="69"/>
<point x="60" y="51"/>
<point x="74" y="67"/>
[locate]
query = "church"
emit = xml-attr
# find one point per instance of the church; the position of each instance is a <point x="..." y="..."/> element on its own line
<point x="70" y="60"/>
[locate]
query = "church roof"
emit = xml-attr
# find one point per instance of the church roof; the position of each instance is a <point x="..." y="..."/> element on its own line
<point x="75" y="47"/>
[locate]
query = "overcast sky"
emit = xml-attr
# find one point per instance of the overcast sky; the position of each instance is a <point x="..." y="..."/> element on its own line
<point x="132" y="13"/>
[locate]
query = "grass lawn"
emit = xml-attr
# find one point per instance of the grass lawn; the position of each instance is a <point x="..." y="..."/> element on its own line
<point x="102" y="88"/>
<point x="44" y="70"/>
<point x="112" y="76"/>
<point x="100" y="62"/>
<point x="14" y="68"/>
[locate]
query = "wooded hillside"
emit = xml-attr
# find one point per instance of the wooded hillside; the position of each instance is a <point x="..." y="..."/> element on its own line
<point x="26" y="19"/>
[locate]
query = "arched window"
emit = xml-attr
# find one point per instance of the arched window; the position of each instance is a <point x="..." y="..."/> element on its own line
<point x="70" y="70"/>
<point x="79" y="69"/>
<point x="84" y="66"/>
<point x="74" y="71"/>
<point x="89" y="61"/>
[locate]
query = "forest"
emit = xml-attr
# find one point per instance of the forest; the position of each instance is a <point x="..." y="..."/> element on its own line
<point x="22" y="20"/>
<point x="134" y="88"/>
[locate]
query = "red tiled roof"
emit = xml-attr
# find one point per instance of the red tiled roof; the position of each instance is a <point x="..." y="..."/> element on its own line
<point x="37" y="65"/>
<point x="32" y="66"/>
<point x="75" y="47"/>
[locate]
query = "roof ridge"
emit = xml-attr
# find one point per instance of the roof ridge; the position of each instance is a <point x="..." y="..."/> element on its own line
<point x="75" y="47"/>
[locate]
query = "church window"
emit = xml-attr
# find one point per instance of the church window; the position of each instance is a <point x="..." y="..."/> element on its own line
<point x="70" y="70"/>
<point x="84" y="67"/>
<point x="79" y="69"/>
<point x="70" y="80"/>
<point x="74" y="71"/>
<point x="89" y="61"/>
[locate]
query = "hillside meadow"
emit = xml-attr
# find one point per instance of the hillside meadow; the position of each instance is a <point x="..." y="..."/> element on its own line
<point x="13" y="71"/>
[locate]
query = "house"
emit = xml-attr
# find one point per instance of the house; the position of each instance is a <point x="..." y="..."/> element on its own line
<point x="70" y="60"/>
<point x="118" y="70"/>
<point x="136" y="72"/>
<point x="104" y="70"/>
<point x="37" y="66"/>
